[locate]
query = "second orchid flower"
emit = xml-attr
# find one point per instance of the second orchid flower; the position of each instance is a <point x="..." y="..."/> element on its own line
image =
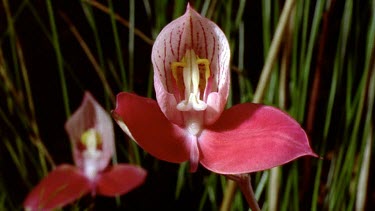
<point x="90" y="131"/>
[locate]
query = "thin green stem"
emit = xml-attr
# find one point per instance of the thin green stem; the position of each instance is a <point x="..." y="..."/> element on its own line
<point x="88" y="10"/>
<point x="35" y="137"/>
<point x="121" y="20"/>
<point x="131" y="43"/>
<point x="241" y="49"/>
<point x="274" y="49"/>
<point x="12" y="38"/>
<point x="91" y="57"/>
<point x="308" y="58"/>
<point x="369" y="137"/>
<point x="229" y="193"/>
<point x="116" y="38"/>
<point x="60" y="64"/>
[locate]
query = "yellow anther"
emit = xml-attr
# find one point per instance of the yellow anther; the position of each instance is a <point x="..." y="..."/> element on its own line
<point x="91" y="154"/>
<point x="191" y="75"/>
<point x="177" y="71"/>
<point x="91" y="139"/>
<point x="177" y="68"/>
<point x="204" y="74"/>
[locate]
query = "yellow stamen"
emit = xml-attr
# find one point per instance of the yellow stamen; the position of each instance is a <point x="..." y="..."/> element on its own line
<point x="191" y="75"/>
<point x="91" y="139"/>
<point x="177" y="70"/>
<point x="91" y="154"/>
<point x="204" y="74"/>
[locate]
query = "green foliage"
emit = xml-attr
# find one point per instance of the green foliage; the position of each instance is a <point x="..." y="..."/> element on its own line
<point x="323" y="74"/>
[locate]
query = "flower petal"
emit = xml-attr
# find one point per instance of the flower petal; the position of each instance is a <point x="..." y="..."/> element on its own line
<point x="191" y="31"/>
<point x="149" y="127"/>
<point x="60" y="187"/>
<point x="215" y="106"/>
<point x="251" y="137"/>
<point x="120" y="179"/>
<point x="91" y="115"/>
<point x="170" y="104"/>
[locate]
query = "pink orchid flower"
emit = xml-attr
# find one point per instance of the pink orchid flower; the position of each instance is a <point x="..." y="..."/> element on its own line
<point x="90" y="130"/>
<point x="188" y="122"/>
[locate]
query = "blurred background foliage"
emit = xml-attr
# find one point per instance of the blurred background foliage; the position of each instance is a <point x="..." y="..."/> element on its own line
<point x="322" y="72"/>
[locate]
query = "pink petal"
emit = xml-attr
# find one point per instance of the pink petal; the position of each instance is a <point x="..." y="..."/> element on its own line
<point x="142" y="120"/>
<point x="168" y="107"/>
<point x="251" y="137"/>
<point x="120" y="179"/>
<point x="91" y="115"/>
<point x="215" y="107"/>
<point x="190" y="31"/>
<point x="59" y="188"/>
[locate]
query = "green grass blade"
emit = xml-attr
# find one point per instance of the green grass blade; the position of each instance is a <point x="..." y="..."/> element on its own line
<point x="59" y="58"/>
<point x="116" y="39"/>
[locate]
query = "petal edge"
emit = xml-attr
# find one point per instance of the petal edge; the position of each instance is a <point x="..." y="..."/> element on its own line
<point x="120" y="179"/>
<point x="151" y="129"/>
<point x="59" y="188"/>
<point x="251" y="137"/>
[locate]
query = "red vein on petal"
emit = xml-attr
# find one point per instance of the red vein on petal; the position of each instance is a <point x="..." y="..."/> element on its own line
<point x="165" y="69"/>
<point x="214" y="48"/>
<point x="191" y="31"/>
<point x="170" y="43"/>
<point x="205" y="39"/>
<point x="179" y="41"/>
<point x="198" y="48"/>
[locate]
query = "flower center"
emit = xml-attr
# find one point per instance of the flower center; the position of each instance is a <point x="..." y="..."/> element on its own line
<point x="191" y="75"/>
<point x="91" y="141"/>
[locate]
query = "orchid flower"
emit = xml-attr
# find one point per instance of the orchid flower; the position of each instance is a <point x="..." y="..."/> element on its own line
<point x="188" y="122"/>
<point x="90" y="130"/>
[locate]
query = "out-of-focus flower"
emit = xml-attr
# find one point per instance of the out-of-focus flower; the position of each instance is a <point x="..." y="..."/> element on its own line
<point x="90" y="130"/>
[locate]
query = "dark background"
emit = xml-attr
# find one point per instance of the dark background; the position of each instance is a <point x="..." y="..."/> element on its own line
<point x="159" y="189"/>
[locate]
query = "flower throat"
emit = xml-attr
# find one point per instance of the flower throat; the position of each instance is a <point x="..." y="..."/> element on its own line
<point x="191" y="75"/>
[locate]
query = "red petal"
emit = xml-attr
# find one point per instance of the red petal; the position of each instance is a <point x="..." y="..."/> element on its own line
<point x="250" y="137"/>
<point x="120" y="179"/>
<point x="148" y="126"/>
<point x="60" y="187"/>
